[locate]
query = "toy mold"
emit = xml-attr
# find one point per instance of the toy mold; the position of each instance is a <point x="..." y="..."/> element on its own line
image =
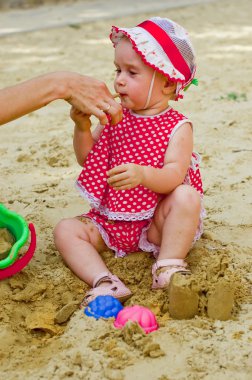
<point x="140" y="314"/>
<point x="103" y="307"/>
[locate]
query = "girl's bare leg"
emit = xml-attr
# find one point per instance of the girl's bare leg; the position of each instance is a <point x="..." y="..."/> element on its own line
<point x="175" y="223"/>
<point x="173" y="229"/>
<point x="79" y="244"/>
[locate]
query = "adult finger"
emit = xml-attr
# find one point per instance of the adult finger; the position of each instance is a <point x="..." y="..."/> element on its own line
<point x="101" y="115"/>
<point x="115" y="111"/>
<point x="92" y="97"/>
<point x="112" y="108"/>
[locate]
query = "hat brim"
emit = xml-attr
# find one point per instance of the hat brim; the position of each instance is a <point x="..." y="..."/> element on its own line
<point x="146" y="46"/>
<point x="151" y="53"/>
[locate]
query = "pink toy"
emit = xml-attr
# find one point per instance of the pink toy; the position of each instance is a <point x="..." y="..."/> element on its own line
<point x="140" y="314"/>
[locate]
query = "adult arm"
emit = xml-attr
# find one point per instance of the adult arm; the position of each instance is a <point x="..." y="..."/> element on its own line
<point x="85" y="93"/>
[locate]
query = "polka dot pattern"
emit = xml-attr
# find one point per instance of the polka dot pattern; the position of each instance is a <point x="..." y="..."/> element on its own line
<point x="193" y="177"/>
<point x="140" y="140"/>
<point x="120" y="236"/>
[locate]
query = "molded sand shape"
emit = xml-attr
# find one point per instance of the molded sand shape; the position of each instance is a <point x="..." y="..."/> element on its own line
<point x="140" y="314"/>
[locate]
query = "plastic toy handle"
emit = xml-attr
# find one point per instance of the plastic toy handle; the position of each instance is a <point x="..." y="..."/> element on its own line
<point x="24" y="260"/>
<point x="18" y="227"/>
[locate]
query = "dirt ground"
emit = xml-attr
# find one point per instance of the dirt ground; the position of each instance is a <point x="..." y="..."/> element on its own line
<point x="43" y="333"/>
<point x="24" y="4"/>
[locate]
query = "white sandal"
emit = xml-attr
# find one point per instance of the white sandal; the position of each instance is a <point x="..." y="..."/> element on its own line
<point x="117" y="289"/>
<point x="162" y="279"/>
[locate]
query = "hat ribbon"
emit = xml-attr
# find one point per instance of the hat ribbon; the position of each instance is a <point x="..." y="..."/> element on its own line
<point x="168" y="46"/>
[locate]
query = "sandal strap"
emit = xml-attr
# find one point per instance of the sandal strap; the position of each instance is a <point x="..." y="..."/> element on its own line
<point x="102" y="277"/>
<point x="180" y="263"/>
<point x="117" y="288"/>
<point x="172" y="266"/>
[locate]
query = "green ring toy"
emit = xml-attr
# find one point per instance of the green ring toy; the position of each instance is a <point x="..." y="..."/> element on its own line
<point x="18" y="227"/>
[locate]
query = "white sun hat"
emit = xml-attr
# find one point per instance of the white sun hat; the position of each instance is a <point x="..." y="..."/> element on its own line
<point x="163" y="45"/>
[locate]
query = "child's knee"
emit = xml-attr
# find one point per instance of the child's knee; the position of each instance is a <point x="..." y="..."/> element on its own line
<point x="62" y="231"/>
<point x="187" y="197"/>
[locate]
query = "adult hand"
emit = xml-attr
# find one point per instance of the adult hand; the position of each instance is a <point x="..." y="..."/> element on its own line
<point x="92" y="97"/>
<point x="86" y="94"/>
<point x="125" y="176"/>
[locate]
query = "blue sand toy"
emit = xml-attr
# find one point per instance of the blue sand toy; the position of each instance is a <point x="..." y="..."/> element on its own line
<point x="103" y="307"/>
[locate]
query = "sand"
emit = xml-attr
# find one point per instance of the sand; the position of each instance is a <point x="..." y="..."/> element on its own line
<point x="24" y="4"/>
<point x="43" y="333"/>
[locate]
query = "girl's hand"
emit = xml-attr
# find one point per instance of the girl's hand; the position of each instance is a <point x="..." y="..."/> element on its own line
<point x="125" y="176"/>
<point x="81" y="120"/>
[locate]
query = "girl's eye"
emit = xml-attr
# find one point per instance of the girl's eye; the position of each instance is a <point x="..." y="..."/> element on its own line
<point x="117" y="71"/>
<point x="132" y="73"/>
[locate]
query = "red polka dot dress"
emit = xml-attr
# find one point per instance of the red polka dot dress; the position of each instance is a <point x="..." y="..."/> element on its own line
<point x="124" y="216"/>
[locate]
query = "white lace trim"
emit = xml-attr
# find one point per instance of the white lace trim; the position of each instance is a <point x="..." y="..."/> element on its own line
<point x="93" y="201"/>
<point x="137" y="115"/>
<point x="112" y="215"/>
<point x="195" y="161"/>
<point x="105" y="236"/>
<point x="177" y="126"/>
<point x="146" y="45"/>
<point x="126" y="216"/>
<point x="193" y="165"/>
<point x="145" y="245"/>
<point x="199" y="231"/>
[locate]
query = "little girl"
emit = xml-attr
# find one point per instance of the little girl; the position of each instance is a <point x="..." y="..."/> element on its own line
<point x="140" y="176"/>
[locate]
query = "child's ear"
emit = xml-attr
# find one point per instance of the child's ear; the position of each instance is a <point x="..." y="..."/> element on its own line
<point x="169" y="87"/>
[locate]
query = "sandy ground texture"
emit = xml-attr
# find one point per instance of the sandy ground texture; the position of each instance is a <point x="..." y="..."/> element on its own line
<point x="43" y="14"/>
<point x="43" y="334"/>
<point x="25" y="4"/>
